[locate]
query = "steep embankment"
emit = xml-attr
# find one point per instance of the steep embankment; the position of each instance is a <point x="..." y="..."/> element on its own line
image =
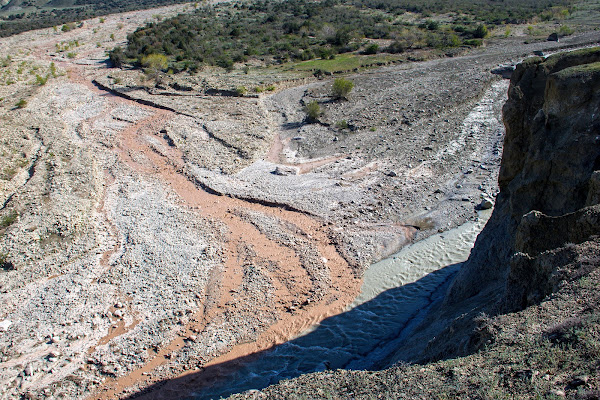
<point x="535" y="265"/>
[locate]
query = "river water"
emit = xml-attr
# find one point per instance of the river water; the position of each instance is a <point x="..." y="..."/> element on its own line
<point x="395" y="296"/>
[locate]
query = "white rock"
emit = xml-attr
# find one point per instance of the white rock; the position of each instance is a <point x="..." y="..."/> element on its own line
<point x="4" y="325"/>
<point x="285" y="170"/>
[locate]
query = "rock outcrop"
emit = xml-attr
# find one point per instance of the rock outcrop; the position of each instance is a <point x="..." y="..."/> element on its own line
<point x="548" y="179"/>
<point x="529" y="295"/>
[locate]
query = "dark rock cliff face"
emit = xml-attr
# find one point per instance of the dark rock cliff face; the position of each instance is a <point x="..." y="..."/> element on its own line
<point x="549" y="178"/>
<point x="547" y="209"/>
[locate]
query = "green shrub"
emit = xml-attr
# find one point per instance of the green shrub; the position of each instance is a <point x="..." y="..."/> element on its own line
<point x="116" y="57"/>
<point x="155" y="62"/>
<point x="565" y="30"/>
<point x="343" y="124"/>
<point x="373" y="48"/>
<point x="21" y="103"/>
<point x="341" y="88"/>
<point x="241" y="91"/>
<point x="270" y="88"/>
<point x="453" y="41"/>
<point x="8" y="220"/>
<point x="473" y="42"/>
<point x="313" y="111"/>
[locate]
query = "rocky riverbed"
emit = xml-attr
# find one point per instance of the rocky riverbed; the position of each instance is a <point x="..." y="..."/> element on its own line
<point x="148" y="233"/>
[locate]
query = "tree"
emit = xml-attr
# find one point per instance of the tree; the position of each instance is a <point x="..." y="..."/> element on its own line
<point x="480" y="32"/>
<point x="313" y="111"/>
<point x="341" y="88"/>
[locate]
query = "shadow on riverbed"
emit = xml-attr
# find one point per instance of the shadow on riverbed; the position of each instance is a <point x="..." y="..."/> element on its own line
<point x="352" y="340"/>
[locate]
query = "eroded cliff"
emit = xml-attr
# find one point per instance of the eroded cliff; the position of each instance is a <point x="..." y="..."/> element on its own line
<point x="549" y="171"/>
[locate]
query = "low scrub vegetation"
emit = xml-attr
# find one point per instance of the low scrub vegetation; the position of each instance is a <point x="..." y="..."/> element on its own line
<point x="296" y="30"/>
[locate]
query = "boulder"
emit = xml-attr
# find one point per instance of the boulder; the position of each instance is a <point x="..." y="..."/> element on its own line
<point x="486" y="204"/>
<point x="283" y="170"/>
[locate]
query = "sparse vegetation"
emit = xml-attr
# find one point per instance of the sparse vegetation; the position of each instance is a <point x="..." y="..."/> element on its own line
<point x="343" y="124"/>
<point x="4" y="263"/>
<point x="21" y="103"/>
<point x="8" y="219"/>
<point x="41" y="80"/>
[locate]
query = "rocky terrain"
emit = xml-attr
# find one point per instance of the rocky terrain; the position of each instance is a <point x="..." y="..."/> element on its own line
<point x="149" y="229"/>
<point x="523" y="310"/>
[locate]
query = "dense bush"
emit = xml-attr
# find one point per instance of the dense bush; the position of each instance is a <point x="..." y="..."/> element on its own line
<point x="230" y="33"/>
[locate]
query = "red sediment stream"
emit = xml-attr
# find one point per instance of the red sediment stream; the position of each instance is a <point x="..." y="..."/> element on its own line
<point x="166" y="165"/>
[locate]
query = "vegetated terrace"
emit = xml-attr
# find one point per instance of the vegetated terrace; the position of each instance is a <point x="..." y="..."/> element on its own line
<point x="229" y="33"/>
